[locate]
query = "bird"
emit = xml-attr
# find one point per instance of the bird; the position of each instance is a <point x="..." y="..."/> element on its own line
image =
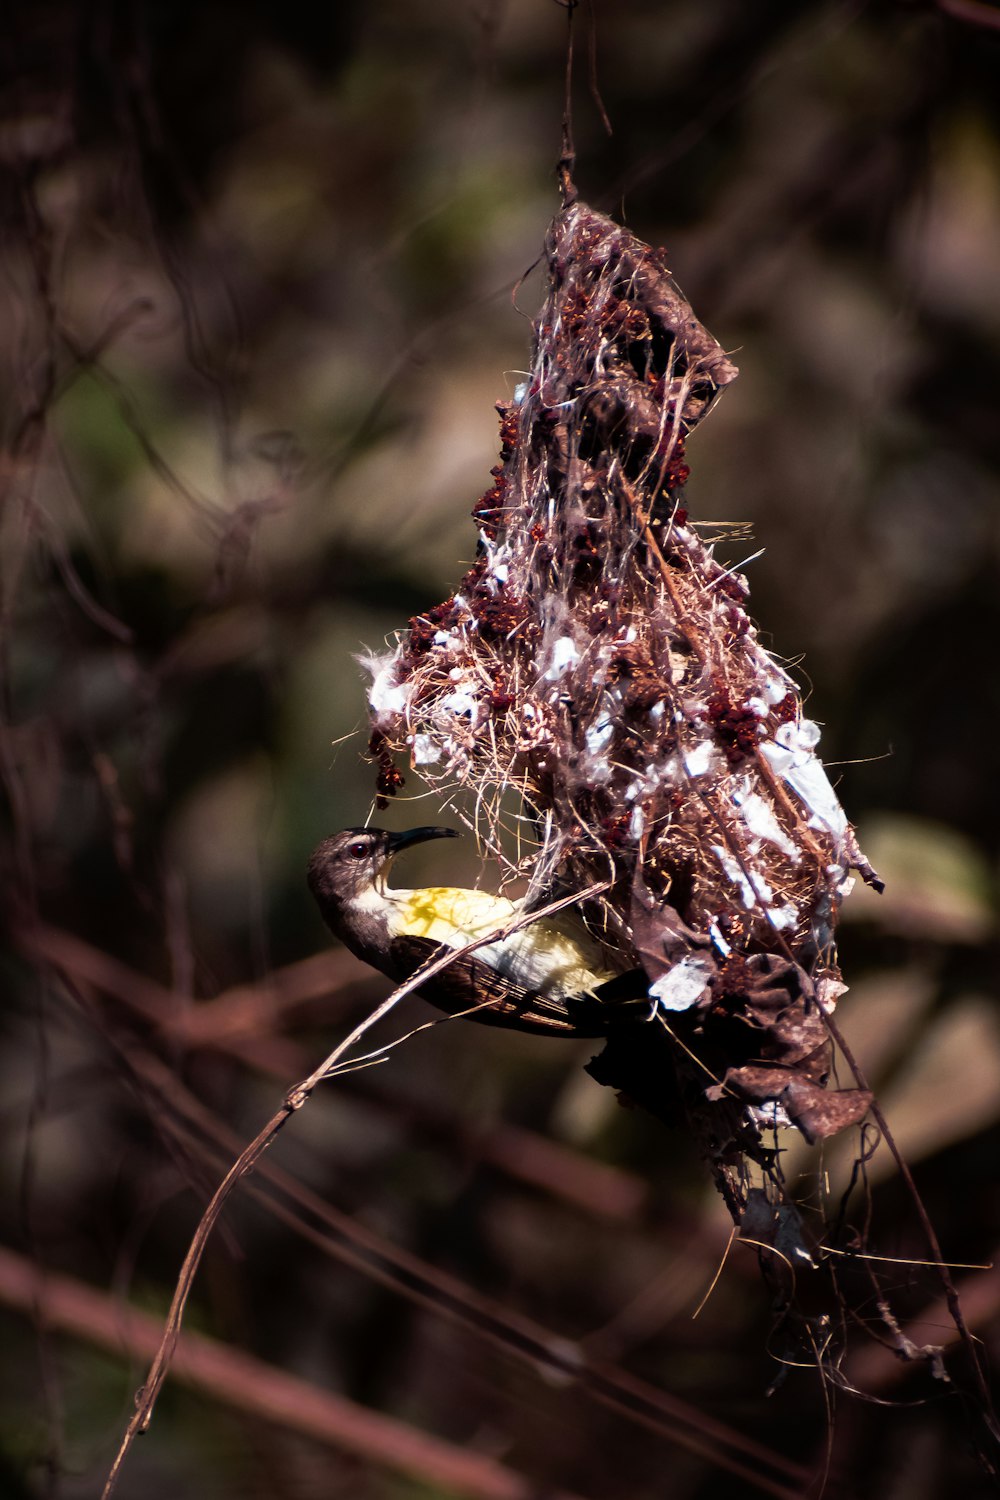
<point x="549" y="977"/>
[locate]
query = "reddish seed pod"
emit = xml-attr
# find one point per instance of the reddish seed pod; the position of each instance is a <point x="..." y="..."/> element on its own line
<point x="787" y="710"/>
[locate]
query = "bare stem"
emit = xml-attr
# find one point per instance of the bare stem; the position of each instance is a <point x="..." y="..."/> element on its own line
<point x="148" y="1393"/>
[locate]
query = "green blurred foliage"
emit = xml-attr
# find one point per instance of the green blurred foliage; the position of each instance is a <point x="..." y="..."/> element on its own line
<point x="266" y="270"/>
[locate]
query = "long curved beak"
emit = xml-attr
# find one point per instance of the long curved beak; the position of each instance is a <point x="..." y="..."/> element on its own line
<point x="398" y="841"/>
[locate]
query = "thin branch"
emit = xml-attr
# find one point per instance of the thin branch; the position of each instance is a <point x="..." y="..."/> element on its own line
<point x="940" y="1265"/>
<point x="244" y="1010"/>
<point x="146" y="1397"/>
<point x="567" y="155"/>
<point x="877" y="1366"/>
<point x="238" y="1023"/>
<point x="408" y="1275"/>
<point x="974" y="12"/>
<point x="260" y="1390"/>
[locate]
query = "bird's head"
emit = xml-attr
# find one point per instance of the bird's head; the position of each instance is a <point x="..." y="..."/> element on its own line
<point x="352" y="861"/>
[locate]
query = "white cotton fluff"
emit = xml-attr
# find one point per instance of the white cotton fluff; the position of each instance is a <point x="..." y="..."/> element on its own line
<point x="792" y="756"/>
<point x="564" y="654"/>
<point x="385" y="696"/>
<point x="777" y="686"/>
<point x="426" y="750"/>
<point x="461" y="702"/>
<point x="769" y="1116"/>
<point x="760" y="820"/>
<point x="752" y="891"/>
<point x="600" y="734"/>
<point x="829" y="991"/>
<point x="681" y="986"/>
<point x="718" y="941"/>
<point x="696" y="762"/>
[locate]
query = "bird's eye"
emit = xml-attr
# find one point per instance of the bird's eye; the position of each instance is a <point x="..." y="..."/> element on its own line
<point x="358" y="849"/>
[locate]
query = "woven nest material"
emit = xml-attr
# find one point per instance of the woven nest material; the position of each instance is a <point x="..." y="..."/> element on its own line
<point x="600" y="661"/>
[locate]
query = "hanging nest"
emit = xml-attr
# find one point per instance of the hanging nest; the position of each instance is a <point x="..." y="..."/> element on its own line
<point x="598" y="660"/>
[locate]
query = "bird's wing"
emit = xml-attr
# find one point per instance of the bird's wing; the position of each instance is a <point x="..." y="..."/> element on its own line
<point x="491" y="997"/>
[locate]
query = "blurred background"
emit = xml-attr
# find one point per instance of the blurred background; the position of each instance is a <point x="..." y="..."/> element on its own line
<point x="258" y="299"/>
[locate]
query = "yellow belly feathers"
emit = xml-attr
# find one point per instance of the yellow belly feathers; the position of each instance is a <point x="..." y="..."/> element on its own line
<point x="556" y="955"/>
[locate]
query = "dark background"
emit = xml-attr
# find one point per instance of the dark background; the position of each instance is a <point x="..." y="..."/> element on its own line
<point x="257" y="273"/>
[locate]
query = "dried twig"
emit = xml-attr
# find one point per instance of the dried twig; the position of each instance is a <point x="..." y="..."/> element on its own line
<point x="239" y="1023"/>
<point x="294" y="1100"/>
<point x="354" y="1244"/>
<point x="259" y="1390"/>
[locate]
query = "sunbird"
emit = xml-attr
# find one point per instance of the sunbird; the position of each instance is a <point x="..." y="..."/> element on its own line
<point x="551" y="976"/>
